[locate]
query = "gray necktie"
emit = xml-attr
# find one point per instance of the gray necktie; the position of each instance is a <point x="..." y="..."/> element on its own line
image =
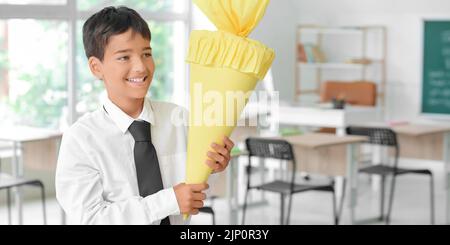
<point x="146" y="160"/>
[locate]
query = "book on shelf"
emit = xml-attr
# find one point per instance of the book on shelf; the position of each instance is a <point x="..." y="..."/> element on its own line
<point x="319" y="56"/>
<point x="310" y="53"/>
<point x="301" y="54"/>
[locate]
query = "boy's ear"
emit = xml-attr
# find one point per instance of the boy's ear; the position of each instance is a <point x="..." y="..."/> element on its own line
<point x="96" y="67"/>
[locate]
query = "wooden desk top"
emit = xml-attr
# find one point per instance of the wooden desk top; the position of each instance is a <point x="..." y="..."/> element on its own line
<point x="27" y="134"/>
<point x="315" y="140"/>
<point x="420" y="129"/>
<point x="411" y="129"/>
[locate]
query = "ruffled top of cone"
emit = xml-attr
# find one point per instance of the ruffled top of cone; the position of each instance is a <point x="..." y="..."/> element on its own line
<point x="224" y="50"/>
<point x="239" y="17"/>
<point x="229" y="47"/>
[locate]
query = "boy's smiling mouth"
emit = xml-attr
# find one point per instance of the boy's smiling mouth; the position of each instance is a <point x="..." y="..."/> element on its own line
<point x="137" y="80"/>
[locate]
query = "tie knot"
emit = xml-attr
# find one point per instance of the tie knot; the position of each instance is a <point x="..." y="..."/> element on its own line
<point x="140" y="131"/>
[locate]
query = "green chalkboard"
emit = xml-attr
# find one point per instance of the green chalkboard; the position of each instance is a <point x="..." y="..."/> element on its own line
<point x="436" y="68"/>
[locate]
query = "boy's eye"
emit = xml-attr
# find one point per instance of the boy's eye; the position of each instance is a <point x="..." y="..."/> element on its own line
<point x="124" y="58"/>
<point x="147" y="55"/>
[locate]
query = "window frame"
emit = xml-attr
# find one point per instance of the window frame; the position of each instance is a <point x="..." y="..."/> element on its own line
<point x="69" y="12"/>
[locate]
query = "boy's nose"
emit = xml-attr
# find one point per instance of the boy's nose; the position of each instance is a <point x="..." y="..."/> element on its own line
<point x="138" y="66"/>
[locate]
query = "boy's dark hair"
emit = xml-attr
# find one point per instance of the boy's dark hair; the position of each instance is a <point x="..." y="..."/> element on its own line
<point x="108" y="22"/>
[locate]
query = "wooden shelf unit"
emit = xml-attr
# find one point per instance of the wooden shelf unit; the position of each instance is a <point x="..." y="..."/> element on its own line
<point x="361" y="34"/>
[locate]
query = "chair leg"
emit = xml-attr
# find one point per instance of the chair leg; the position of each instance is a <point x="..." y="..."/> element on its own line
<point x="213" y="215"/>
<point x="8" y="201"/>
<point x="391" y="200"/>
<point x="41" y="185"/>
<point x="282" y="209"/>
<point x="341" y="205"/>
<point x="335" y="212"/>
<point x="432" y="198"/>
<point x="288" y="219"/>
<point x="382" y="194"/>
<point x="244" y="209"/>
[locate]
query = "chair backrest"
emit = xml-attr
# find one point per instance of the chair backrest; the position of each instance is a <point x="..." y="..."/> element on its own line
<point x="271" y="148"/>
<point x="378" y="136"/>
<point x="355" y="93"/>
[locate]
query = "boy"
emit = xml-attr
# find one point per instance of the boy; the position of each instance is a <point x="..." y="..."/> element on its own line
<point x="118" y="164"/>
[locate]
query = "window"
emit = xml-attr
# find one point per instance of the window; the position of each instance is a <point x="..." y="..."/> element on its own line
<point x="45" y="81"/>
<point x="33" y="62"/>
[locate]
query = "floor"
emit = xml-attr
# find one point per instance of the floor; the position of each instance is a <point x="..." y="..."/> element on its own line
<point x="411" y="204"/>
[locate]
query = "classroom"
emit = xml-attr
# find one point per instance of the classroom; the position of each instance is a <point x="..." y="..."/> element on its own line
<point x="325" y="112"/>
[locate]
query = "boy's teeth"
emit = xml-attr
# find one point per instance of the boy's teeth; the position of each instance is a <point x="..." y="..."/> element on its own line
<point x="136" y="80"/>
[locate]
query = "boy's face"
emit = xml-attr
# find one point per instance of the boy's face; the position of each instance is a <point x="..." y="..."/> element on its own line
<point x="127" y="67"/>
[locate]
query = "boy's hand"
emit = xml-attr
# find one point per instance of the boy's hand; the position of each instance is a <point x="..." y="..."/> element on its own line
<point x="190" y="197"/>
<point x="219" y="159"/>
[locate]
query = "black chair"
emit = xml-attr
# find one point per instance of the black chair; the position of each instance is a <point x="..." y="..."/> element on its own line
<point x="8" y="181"/>
<point x="387" y="137"/>
<point x="282" y="150"/>
<point x="209" y="210"/>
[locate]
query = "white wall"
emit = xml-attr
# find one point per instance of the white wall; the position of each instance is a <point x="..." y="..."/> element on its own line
<point x="277" y="31"/>
<point x="403" y="19"/>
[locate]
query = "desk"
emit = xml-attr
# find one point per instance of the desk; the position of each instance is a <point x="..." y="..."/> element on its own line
<point x="331" y="155"/>
<point x="424" y="141"/>
<point x="430" y="142"/>
<point x="20" y="137"/>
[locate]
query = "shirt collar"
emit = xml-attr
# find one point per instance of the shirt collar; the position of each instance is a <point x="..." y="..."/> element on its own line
<point x="123" y="120"/>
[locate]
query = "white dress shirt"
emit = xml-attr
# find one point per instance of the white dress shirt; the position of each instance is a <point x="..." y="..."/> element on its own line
<point x="96" y="179"/>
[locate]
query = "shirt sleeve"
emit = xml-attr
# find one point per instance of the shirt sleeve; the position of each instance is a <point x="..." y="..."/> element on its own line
<point x="79" y="191"/>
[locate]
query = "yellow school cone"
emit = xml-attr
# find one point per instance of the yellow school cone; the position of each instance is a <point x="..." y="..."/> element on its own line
<point x="225" y="68"/>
